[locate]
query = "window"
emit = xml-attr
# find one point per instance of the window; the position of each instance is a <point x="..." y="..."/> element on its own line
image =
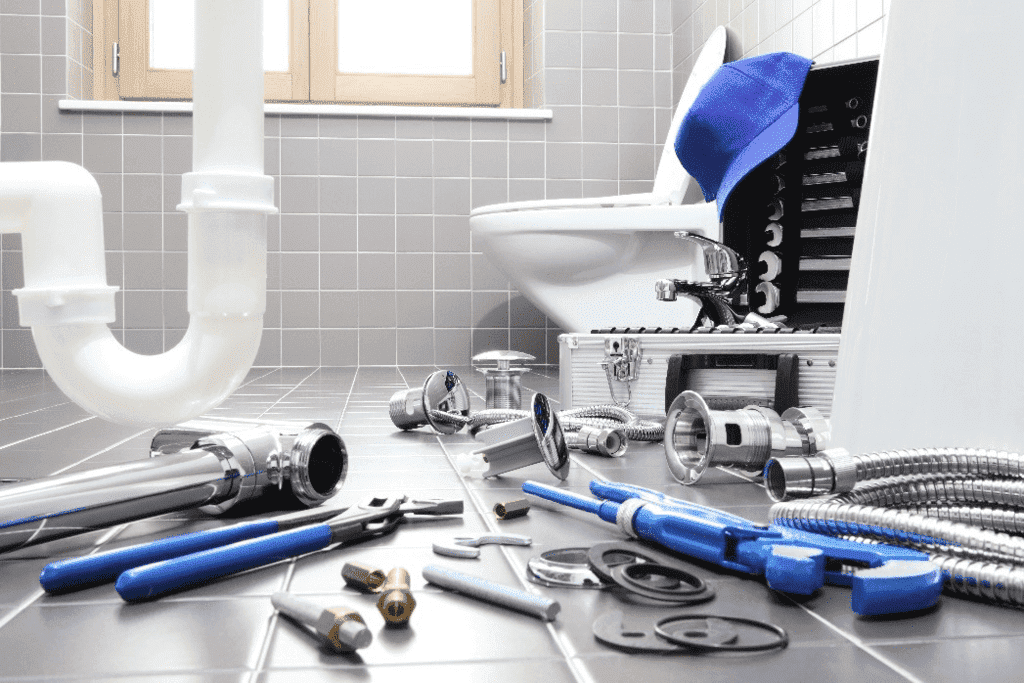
<point x="440" y="53"/>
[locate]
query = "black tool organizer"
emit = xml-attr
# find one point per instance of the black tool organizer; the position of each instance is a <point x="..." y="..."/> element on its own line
<point x="794" y="216"/>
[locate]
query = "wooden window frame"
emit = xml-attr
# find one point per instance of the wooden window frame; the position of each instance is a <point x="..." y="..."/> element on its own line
<point x="313" y="76"/>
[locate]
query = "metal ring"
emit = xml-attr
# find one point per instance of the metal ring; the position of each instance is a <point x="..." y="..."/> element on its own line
<point x="563" y="568"/>
<point x="696" y="590"/>
<point x="781" y="642"/>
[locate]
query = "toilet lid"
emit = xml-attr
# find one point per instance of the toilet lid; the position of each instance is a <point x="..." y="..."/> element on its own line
<point x="645" y="199"/>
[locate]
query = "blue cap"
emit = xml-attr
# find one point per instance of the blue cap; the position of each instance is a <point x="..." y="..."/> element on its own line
<point x="744" y="114"/>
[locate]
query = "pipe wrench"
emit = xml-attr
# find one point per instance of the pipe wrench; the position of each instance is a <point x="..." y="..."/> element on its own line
<point x="884" y="579"/>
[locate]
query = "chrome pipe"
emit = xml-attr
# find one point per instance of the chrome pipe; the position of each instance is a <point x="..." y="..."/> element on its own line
<point x="211" y="471"/>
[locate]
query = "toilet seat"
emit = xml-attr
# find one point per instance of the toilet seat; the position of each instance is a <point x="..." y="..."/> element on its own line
<point x="640" y="199"/>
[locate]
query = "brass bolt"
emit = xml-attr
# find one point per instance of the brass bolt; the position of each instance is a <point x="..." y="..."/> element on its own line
<point x="396" y="602"/>
<point x="362" y="576"/>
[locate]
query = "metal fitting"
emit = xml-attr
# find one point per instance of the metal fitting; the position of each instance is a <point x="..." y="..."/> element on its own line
<point x="443" y="391"/>
<point x="504" y="387"/>
<point x="697" y="437"/>
<point x="362" y="576"/>
<point x="512" y="509"/>
<point x="212" y="465"/>
<point x="665" y="289"/>
<point x="830" y="471"/>
<point x="341" y="628"/>
<point x="526" y="441"/>
<point x="396" y="602"/>
<point x="611" y="443"/>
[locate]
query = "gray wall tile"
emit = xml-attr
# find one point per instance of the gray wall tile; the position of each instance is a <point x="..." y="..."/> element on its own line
<point x="451" y="159"/>
<point x="376" y="157"/>
<point x="300" y="232"/>
<point x="415" y="347"/>
<point x="377" y="309"/>
<point x="600" y="51"/>
<point x="414" y="195"/>
<point x="300" y="309"/>
<point x="490" y="159"/>
<point x="338" y="271"/>
<point x="299" y="156"/>
<point x="377" y="195"/>
<point x="376" y="233"/>
<point x="337" y="194"/>
<point x="338" y="232"/>
<point x="20" y="73"/>
<point x="339" y="347"/>
<point x="300" y="347"/>
<point x="142" y="154"/>
<point x="414" y="233"/>
<point x="415" y="271"/>
<point x="377" y="347"/>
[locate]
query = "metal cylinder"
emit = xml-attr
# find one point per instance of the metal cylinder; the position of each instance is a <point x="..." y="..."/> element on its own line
<point x="503" y="384"/>
<point x="214" y="472"/>
<point x="496" y="593"/>
<point x="611" y="443"/>
<point x="442" y="392"/>
<point x="697" y="437"/>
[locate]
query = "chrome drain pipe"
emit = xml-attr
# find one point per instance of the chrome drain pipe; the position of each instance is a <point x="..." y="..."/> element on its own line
<point x="190" y="467"/>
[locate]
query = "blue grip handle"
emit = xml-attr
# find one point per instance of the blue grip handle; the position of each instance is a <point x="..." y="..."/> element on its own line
<point x="189" y="571"/>
<point x="78" y="572"/>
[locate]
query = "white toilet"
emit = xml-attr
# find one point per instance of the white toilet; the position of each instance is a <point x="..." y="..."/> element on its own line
<point x="592" y="263"/>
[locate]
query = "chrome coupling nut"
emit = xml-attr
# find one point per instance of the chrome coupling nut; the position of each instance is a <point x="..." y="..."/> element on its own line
<point x="503" y="384"/>
<point x="611" y="443"/>
<point x="442" y="392"/>
<point x="697" y="437"/>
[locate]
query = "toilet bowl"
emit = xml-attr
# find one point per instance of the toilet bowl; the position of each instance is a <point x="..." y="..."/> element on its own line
<point x="592" y="263"/>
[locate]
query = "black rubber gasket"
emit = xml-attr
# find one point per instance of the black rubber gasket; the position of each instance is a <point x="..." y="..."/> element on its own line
<point x="608" y="630"/>
<point x="686" y="585"/>
<point x="686" y="592"/>
<point x="598" y="557"/>
<point x="781" y="642"/>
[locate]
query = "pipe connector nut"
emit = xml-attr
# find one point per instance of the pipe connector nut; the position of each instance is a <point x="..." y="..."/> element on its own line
<point x="830" y="471"/>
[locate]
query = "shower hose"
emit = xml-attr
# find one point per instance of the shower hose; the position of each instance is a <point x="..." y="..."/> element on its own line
<point x="572" y="420"/>
<point x="963" y="506"/>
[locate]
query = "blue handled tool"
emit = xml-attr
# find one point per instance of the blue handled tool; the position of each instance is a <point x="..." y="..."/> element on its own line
<point x="151" y="569"/>
<point x="89" y="570"/>
<point x="885" y="579"/>
<point x="375" y="517"/>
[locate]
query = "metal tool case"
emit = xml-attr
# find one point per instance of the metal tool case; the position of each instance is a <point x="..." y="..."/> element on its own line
<point x="793" y="217"/>
<point x="611" y="367"/>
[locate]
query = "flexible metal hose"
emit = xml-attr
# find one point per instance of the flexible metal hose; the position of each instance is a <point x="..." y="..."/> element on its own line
<point x="936" y="488"/>
<point x="900" y="528"/>
<point x="997" y="519"/>
<point x="602" y="416"/>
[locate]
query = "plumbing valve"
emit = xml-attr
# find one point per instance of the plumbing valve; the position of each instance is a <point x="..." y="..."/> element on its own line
<point x="697" y="437"/>
<point x="443" y="392"/>
<point x="504" y="388"/>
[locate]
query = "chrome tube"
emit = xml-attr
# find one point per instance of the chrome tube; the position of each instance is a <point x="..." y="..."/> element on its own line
<point x="213" y="471"/>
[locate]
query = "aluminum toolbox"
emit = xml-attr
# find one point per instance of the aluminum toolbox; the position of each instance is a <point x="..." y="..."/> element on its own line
<point x="635" y="367"/>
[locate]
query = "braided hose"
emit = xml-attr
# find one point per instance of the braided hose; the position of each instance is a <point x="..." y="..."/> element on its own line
<point x="934" y="488"/>
<point x="996" y="582"/>
<point x="572" y="420"/>
<point x="997" y="519"/>
<point x="900" y="528"/>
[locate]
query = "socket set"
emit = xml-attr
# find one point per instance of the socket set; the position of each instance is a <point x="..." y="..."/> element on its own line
<point x="794" y="216"/>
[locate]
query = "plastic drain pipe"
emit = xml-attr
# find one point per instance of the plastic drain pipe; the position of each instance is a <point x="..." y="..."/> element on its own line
<point x="66" y="301"/>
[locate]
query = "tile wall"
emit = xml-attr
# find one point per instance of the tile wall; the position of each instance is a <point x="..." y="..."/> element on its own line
<point x="371" y="259"/>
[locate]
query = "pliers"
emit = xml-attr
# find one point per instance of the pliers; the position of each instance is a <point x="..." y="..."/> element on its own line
<point x="151" y="569"/>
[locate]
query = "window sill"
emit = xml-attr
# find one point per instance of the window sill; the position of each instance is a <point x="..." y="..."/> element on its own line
<point x="339" y="110"/>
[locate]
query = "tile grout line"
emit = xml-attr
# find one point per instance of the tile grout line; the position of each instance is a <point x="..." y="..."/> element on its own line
<point x="37" y="410"/>
<point x="860" y="644"/>
<point x="580" y="674"/>
<point x="52" y="431"/>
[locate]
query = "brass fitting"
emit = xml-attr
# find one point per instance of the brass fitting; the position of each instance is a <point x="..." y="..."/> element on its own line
<point x="512" y="509"/>
<point x="396" y="602"/>
<point x="362" y="576"/>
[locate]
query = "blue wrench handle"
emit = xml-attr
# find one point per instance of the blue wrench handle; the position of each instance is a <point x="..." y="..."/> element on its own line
<point x="189" y="571"/>
<point x="78" y="572"/>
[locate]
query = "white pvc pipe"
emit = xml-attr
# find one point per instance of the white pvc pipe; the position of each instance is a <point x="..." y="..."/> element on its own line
<point x="57" y="208"/>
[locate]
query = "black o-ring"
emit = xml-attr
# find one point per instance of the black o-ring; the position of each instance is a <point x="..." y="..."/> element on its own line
<point x="783" y="637"/>
<point x="698" y="591"/>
